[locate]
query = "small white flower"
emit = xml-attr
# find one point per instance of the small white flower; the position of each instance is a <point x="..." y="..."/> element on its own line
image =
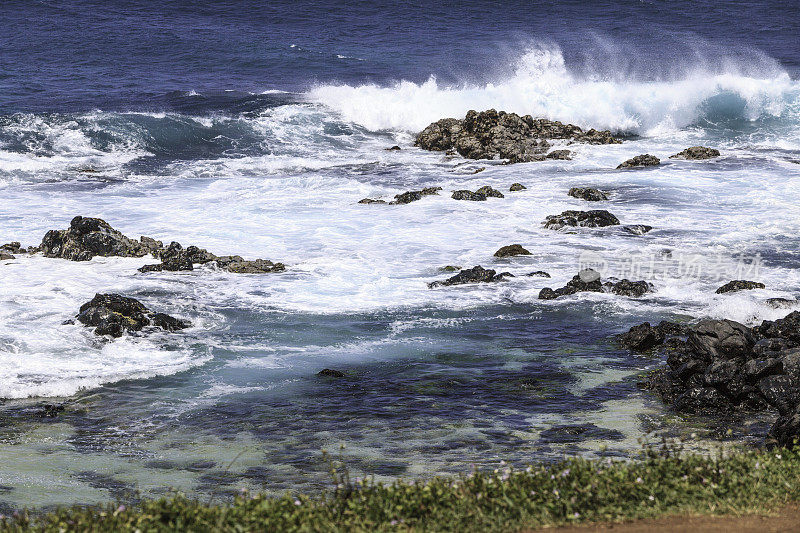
<point x="639" y="480"/>
<point x="577" y="514"/>
<point x="297" y="502"/>
<point x="651" y="497"/>
<point x="777" y="456"/>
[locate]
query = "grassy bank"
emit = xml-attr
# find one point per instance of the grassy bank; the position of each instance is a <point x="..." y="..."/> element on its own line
<point x="662" y="482"/>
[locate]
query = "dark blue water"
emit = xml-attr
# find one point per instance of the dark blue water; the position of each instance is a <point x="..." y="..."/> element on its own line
<point x="77" y="55"/>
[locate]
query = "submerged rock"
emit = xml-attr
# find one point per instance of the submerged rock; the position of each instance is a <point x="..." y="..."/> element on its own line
<point x="565" y="155"/>
<point x="588" y="280"/>
<point x="476" y="274"/>
<point x="90" y="237"/>
<point x="588" y="219"/>
<point x="450" y="268"/>
<point x="115" y="315"/>
<point x="587" y="193"/>
<point x="468" y="195"/>
<point x="394" y="148"/>
<point x="511" y="250"/>
<point x="491" y="134"/>
<point x="740" y="285"/>
<point x="330" y="373"/>
<point x="517" y="187"/>
<point x="371" y="201"/>
<point x="538" y="274"/>
<point x="696" y="152"/>
<point x="644" y="160"/>
<point x="638" y="229"/>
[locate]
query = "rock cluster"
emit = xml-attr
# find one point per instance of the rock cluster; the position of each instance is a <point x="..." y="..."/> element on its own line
<point x="587" y="219"/>
<point x="492" y="134"/>
<point x="720" y="365"/>
<point x="696" y="152"/>
<point x="589" y="281"/>
<point x="176" y="258"/>
<point x="89" y="237"/>
<point x="404" y="198"/>
<point x="644" y="160"/>
<point x="115" y="315"/>
<point x="476" y="274"/>
<point x="587" y="193"/>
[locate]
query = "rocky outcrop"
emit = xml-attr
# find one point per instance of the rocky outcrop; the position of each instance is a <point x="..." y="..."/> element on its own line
<point x="644" y="160"/>
<point x="588" y="280"/>
<point x="237" y="265"/>
<point x="717" y="366"/>
<point x="116" y="315"/>
<point x="413" y="196"/>
<point x="468" y="195"/>
<point x="637" y="229"/>
<point x="586" y="219"/>
<point x="492" y="134"/>
<point x="176" y="258"/>
<point x="696" y="152"/>
<point x="90" y="237"/>
<point x="511" y="250"/>
<point x="489" y="192"/>
<point x="587" y="193"/>
<point x="476" y="274"/>
<point x="740" y="285"/>
<point x="517" y="187"/>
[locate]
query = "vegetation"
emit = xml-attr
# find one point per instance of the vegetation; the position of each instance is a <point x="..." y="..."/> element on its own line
<point x="663" y="481"/>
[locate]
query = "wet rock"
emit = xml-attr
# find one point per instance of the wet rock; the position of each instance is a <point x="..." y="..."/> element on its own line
<point x="645" y="337"/>
<point x="450" y="268"/>
<point x="87" y="238"/>
<point x="489" y="192"/>
<point x="517" y="187"/>
<point x="511" y="250"/>
<point x="371" y="201"/>
<point x="644" y="160"/>
<point x="12" y="248"/>
<point x="538" y="274"/>
<point x="701" y="400"/>
<point x="740" y="285"/>
<point x="330" y="373"/>
<point x="574" y="433"/>
<point x="475" y="274"/>
<point x="394" y="148"/>
<point x="781" y="303"/>
<point x="413" y="196"/>
<point x="257" y="266"/>
<point x="637" y="229"/>
<point x="787" y="328"/>
<point x="491" y="134"/>
<point x="588" y="280"/>
<point x="720" y="339"/>
<point x="696" y="152"/>
<point x="587" y="219"/>
<point x="115" y="315"/>
<point x="5" y="257"/>
<point x="564" y="155"/>
<point x="786" y="430"/>
<point x="152" y="245"/>
<point x="468" y="195"/>
<point x="587" y="193"/>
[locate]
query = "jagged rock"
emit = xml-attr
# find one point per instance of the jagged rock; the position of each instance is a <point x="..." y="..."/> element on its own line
<point x="5" y="257"/>
<point x="786" y="430"/>
<point x="740" y="285"/>
<point x="115" y="315"/>
<point x="637" y="229"/>
<point x="330" y="373"/>
<point x="511" y="250"/>
<point x="491" y="134"/>
<point x="696" y="152"/>
<point x="489" y="192"/>
<point x="645" y="337"/>
<point x="588" y="280"/>
<point x="588" y="194"/>
<point x="87" y="238"/>
<point x="588" y="219"/>
<point x="468" y="195"/>
<point x="565" y="155"/>
<point x="11" y="248"/>
<point x="371" y="201"/>
<point x="517" y="187"/>
<point x="475" y="274"/>
<point x="538" y="274"/>
<point x="152" y="245"/>
<point x="258" y="266"/>
<point x="644" y="160"/>
<point x="787" y="328"/>
<point x="413" y="196"/>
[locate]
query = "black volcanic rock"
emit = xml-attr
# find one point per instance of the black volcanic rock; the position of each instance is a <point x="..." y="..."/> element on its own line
<point x="696" y="152"/>
<point x="740" y="285"/>
<point x="644" y="160"/>
<point x="588" y="219"/>
<point x="587" y="193"/>
<point x="476" y="274"/>
<point x="511" y="250"/>
<point x="89" y="237"/>
<point x="115" y="315"/>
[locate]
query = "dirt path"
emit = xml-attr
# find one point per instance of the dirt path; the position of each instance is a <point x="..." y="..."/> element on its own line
<point x="786" y="521"/>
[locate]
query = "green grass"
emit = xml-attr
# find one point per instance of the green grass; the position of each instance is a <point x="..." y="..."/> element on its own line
<point x="661" y="482"/>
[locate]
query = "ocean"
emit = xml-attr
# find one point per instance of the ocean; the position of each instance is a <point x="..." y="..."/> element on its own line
<point x="255" y="129"/>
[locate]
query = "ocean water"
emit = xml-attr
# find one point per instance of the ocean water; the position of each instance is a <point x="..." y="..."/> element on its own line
<point x="255" y="130"/>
